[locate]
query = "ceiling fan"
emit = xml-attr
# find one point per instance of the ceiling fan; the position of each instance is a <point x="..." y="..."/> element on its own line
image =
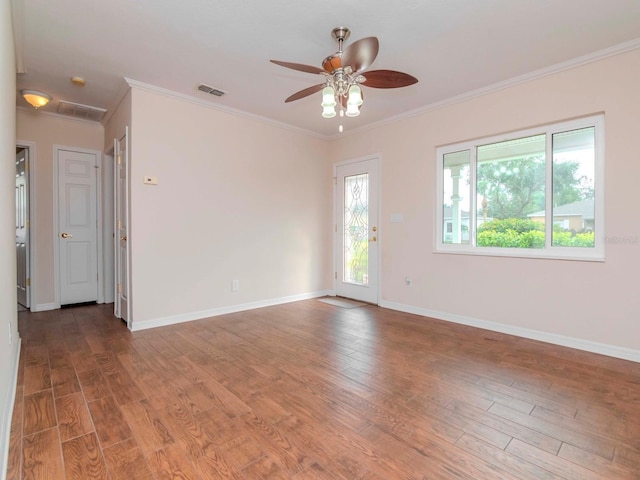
<point x="344" y="72"/>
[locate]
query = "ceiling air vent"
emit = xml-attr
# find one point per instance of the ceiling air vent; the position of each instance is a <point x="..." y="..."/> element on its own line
<point x="210" y="90"/>
<point x="78" y="110"/>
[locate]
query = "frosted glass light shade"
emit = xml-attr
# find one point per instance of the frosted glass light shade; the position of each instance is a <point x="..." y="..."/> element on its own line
<point x="328" y="112"/>
<point x="35" y="99"/>
<point x="352" y="110"/>
<point x="328" y="97"/>
<point x="355" y="96"/>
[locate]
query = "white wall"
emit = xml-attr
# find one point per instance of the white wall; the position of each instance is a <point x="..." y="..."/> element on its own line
<point x="237" y="199"/>
<point x="45" y="131"/>
<point x="595" y="305"/>
<point x="9" y="340"/>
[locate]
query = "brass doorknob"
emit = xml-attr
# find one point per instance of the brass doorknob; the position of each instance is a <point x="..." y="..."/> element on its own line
<point x="66" y="235"/>
<point x="375" y="229"/>
<point x="373" y="239"/>
<point x="123" y="238"/>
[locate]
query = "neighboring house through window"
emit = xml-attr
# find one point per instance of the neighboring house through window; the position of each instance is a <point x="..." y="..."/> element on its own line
<point x="532" y="193"/>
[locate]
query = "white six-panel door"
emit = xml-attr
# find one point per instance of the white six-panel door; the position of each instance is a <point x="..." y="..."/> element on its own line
<point x="77" y="226"/>
<point x="22" y="227"/>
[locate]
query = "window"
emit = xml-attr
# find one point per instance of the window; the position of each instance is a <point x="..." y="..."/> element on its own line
<point x="534" y="193"/>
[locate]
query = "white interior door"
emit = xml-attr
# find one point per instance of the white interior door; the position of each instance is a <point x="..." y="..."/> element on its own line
<point x="357" y="232"/>
<point x="121" y="306"/>
<point x="77" y="226"/>
<point x="22" y="226"/>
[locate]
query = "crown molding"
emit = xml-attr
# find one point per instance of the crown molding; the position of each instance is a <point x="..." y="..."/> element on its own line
<point x="232" y="111"/>
<point x="496" y="87"/>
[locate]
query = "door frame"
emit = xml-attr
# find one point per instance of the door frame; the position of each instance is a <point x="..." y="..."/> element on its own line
<point x="56" y="237"/>
<point x="121" y="196"/>
<point x="31" y="181"/>
<point x="377" y="159"/>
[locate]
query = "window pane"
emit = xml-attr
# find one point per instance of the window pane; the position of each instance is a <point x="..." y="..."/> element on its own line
<point x="356" y="228"/>
<point x="456" y="195"/>
<point x="573" y="188"/>
<point x="510" y="184"/>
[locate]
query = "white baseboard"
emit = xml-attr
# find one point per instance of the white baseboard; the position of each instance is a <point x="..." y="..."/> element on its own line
<point x="43" y="307"/>
<point x="188" y="317"/>
<point x="577" y="343"/>
<point x="7" y="414"/>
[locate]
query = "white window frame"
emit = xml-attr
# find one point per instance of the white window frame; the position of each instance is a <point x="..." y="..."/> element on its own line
<point x="595" y="253"/>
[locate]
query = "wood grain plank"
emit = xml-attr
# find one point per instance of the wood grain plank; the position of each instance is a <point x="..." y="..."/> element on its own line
<point x="109" y="422"/>
<point x="147" y="426"/>
<point x="41" y="456"/>
<point x="65" y="381"/>
<point x="39" y="412"/>
<point x="607" y="468"/>
<point x="94" y="385"/>
<point x="591" y="443"/>
<point x="552" y="463"/>
<point x="265" y="468"/>
<point x="36" y="378"/>
<point x="73" y="417"/>
<point x="125" y="461"/>
<point x="169" y="463"/>
<point x="509" y="462"/>
<point x="83" y="459"/>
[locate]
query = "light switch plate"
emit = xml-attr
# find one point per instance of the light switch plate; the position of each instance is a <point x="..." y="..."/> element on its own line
<point x="149" y="180"/>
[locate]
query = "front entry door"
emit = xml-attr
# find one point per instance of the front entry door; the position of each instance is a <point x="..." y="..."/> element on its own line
<point x="77" y="226"/>
<point x="357" y="231"/>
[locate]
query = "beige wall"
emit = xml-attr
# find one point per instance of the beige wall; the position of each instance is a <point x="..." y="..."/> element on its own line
<point x="590" y="302"/>
<point x="237" y="199"/>
<point x="46" y="131"/>
<point x="246" y="200"/>
<point x="117" y="122"/>
<point x="9" y="341"/>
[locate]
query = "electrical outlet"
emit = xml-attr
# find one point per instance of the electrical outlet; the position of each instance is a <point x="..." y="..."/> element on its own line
<point x="408" y="281"/>
<point x="235" y="285"/>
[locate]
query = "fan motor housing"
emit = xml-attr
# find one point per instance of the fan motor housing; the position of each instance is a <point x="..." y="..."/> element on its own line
<point x="332" y="62"/>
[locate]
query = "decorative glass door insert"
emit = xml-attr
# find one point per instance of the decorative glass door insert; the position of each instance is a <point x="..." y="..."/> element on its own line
<point x="356" y="229"/>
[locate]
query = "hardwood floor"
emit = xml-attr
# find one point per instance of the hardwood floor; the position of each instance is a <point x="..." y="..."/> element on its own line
<point x="312" y="391"/>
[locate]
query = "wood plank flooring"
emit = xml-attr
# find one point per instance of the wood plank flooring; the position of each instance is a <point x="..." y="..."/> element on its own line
<point x="309" y="390"/>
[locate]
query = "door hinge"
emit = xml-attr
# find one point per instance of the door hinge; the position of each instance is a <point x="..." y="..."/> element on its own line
<point x="335" y="275"/>
<point x="27" y="223"/>
<point x="28" y="282"/>
<point x="119" y="224"/>
<point x="335" y="180"/>
<point x="119" y="289"/>
<point x="335" y="228"/>
<point x="119" y="159"/>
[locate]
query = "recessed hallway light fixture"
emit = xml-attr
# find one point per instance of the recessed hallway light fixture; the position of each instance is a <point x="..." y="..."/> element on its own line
<point x="35" y="99"/>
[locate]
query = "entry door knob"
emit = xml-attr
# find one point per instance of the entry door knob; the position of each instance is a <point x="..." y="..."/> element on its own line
<point x="66" y="235"/>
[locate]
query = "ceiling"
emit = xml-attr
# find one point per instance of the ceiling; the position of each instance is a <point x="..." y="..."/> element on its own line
<point x="453" y="47"/>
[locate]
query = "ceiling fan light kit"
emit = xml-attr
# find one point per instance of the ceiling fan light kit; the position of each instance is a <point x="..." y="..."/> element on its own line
<point x="344" y="73"/>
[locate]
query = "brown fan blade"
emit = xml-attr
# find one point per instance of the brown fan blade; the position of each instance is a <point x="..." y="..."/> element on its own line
<point x="305" y="93"/>
<point x="361" y="54"/>
<point x="298" y="66"/>
<point x="388" y="79"/>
